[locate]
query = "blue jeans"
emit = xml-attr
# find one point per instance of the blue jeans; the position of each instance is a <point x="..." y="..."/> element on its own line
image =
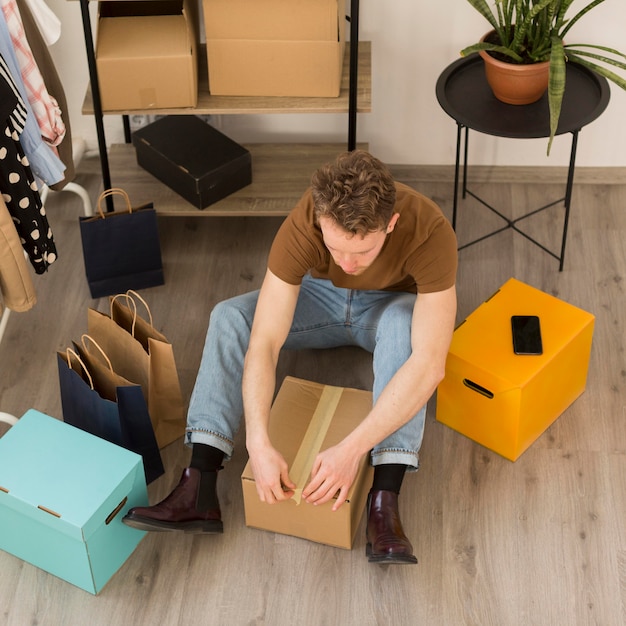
<point x="325" y="317"/>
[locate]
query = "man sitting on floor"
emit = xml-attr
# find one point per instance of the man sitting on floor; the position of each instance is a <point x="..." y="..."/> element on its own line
<point x="361" y="260"/>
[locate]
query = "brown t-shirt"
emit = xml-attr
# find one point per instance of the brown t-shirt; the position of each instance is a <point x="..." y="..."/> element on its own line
<point x="419" y="255"/>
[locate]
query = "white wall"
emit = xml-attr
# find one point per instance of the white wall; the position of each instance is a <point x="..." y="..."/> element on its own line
<point x="412" y="42"/>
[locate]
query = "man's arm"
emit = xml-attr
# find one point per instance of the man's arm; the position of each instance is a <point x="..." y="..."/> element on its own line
<point x="413" y="384"/>
<point x="272" y="321"/>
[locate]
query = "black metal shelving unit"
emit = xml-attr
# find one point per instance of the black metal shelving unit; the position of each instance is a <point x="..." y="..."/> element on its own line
<point x="353" y="19"/>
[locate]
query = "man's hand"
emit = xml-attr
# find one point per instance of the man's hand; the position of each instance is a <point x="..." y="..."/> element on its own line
<point x="272" y="321"/>
<point x="334" y="471"/>
<point x="271" y="476"/>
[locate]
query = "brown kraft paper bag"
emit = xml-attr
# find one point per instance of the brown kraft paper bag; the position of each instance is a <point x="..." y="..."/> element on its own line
<point x="140" y="353"/>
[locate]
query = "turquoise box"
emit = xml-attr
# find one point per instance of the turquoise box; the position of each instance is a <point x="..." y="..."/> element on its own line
<point x="63" y="494"/>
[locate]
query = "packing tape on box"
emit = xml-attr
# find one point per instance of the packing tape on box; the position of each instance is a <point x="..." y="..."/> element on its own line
<point x="313" y="438"/>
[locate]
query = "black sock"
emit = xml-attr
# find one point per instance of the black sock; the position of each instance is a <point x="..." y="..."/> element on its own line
<point x="206" y="458"/>
<point x="388" y="477"/>
<point x="207" y="492"/>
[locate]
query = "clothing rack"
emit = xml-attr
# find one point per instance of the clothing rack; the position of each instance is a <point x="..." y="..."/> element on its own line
<point x="7" y="418"/>
<point x="15" y="26"/>
<point x="4" y="319"/>
<point x="88" y="209"/>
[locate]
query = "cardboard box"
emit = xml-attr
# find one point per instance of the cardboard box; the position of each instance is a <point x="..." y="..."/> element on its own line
<point x="307" y="417"/>
<point x="63" y="494"/>
<point x="275" y="47"/>
<point x="146" y="54"/>
<point x="506" y="401"/>
<point x="193" y="158"/>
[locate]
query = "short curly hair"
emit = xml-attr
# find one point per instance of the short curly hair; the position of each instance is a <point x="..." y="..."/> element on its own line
<point x="357" y="191"/>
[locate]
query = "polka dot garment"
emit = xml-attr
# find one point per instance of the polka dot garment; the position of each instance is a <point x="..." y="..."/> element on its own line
<point x="17" y="182"/>
<point x="23" y="201"/>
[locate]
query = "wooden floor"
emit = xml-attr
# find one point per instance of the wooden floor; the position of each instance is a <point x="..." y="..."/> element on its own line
<point x="541" y="541"/>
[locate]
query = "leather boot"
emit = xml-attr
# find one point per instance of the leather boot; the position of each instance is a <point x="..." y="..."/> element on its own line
<point x="386" y="541"/>
<point x="181" y="510"/>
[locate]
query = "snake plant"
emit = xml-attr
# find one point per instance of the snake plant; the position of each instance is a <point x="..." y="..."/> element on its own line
<point x="532" y="31"/>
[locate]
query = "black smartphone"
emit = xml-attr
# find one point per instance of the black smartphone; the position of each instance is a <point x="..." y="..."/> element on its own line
<point x="526" y="334"/>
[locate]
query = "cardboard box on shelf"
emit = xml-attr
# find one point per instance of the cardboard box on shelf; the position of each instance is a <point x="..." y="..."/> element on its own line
<point x="275" y="47"/>
<point x="307" y="417"/>
<point x="63" y="494"/>
<point x="146" y="54"/>
<point x="503" y="400"/>
<point x="196" y="160"/>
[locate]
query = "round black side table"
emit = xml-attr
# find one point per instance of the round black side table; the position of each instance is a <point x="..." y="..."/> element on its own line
<point x="464" y="94"/>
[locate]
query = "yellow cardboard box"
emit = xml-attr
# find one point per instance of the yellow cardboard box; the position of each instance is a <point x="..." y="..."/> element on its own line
<point x="506" y="401"/>
<point x="275" y="47"/>
<point x="307" y="417"/>
<point x="146" y="54"/>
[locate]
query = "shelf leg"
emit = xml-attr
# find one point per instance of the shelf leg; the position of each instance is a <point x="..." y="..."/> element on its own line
<point x="354" y="72"/>
<point x="97" y="103"/>
<point x="126" y="126"/>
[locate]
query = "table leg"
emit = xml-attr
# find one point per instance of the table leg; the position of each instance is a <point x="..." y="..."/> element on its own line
<point x="509" y="222"/>
<point x="455" y="201"/>
<point x="568" y="195"/>
<point x="465" y="162"/>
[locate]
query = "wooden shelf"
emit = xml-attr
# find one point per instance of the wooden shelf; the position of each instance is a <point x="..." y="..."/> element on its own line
<point x="280" y="175"/>
<point x="237" y="105"/>
<point x="280" y="172"/>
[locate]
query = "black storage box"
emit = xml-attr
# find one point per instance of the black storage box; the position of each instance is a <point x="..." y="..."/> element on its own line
<point x="193" y="158"/>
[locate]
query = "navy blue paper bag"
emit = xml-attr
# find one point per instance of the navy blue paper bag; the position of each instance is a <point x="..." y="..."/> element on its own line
<point x="121" y="249"/>
<point x="124" y="422"/>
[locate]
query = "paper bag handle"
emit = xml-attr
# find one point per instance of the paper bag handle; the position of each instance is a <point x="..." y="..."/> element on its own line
<point x="130" y="296"/>
<point x="115" y="191"/>
<point x="69" y="353"/>
<point x="134" y="294"/>
<point x="97" y="345"/>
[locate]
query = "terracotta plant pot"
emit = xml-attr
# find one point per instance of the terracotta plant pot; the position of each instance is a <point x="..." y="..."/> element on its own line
<point x="514" y="83"/>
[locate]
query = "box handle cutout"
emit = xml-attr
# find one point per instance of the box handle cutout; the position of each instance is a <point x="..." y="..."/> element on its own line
<point x="43" y="508"/>
<point x="495" y="293"/>
<point x="115" y="511"/>
<point x="478" y="389"/>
